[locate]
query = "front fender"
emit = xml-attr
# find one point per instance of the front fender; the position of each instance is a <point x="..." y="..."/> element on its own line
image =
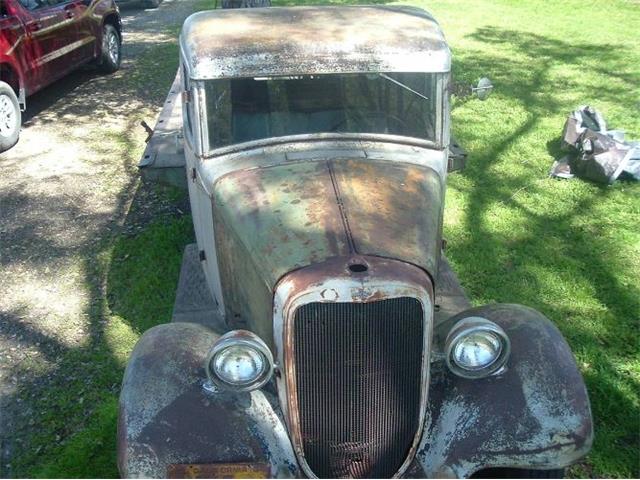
<point x="535" y="414"/>
<point x="166" y="418"/>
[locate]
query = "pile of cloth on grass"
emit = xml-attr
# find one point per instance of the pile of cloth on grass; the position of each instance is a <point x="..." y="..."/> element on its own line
<point x="596" y="153"/>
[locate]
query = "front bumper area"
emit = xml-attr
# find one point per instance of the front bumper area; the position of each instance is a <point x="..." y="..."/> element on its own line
<point x="166" y="418"/>
<point x="535" y="414"/>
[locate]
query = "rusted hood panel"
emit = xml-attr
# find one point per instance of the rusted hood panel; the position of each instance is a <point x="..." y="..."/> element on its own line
<point x="392" y="210"/>
<point x="283" y="217"/>
<point x="289" y="216"/>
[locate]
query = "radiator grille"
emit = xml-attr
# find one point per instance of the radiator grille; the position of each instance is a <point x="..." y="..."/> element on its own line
<point x="358" y="371"/>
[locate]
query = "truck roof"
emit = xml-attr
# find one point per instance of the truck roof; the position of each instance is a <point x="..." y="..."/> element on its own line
<point x="277" y="41"/>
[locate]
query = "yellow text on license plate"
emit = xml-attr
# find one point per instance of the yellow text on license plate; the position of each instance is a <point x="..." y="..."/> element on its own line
<point x="218" y="470"/>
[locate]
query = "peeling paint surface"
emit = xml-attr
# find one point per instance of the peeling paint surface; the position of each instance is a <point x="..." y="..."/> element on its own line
<point x="312" y="40"/>
<point x="393" y="210"/>
<point x="275" y="219"/>
<point x="534" y="414"/>
<point x="192" y="426"/>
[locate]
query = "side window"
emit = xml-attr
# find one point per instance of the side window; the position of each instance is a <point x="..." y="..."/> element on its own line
<point x="34" y="4"/>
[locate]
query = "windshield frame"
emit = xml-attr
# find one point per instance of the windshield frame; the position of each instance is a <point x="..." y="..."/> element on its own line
<point x="441" y="140"/>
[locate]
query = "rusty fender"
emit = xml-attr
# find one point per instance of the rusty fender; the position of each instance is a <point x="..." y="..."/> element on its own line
<point x="167" y="418"/>
<point x="535" y="414"/>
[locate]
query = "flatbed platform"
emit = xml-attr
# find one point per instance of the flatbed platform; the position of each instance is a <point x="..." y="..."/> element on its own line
<point x="163" y="158"/>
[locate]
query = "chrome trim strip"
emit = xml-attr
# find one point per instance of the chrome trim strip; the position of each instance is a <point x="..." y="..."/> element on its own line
<point x="305" y="137"/>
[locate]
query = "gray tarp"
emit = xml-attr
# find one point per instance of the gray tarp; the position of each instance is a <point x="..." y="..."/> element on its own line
<point x="596" y="153"/>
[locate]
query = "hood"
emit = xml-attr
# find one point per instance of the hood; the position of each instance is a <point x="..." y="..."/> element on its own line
<point x="272" y="220"/>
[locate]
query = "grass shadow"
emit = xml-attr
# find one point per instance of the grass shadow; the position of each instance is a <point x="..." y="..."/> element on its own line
<point x="532" y="240"/>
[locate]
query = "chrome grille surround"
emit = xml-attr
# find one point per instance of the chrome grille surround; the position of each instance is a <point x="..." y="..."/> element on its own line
<point x="333" y="281"/>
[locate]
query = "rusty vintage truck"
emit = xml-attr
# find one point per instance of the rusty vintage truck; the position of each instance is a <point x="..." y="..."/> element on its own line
<point x="318" y="329"/>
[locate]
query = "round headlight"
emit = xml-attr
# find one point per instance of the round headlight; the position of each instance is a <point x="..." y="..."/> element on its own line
<point x="239" y="361"/>
<point x="476" y="347"/>
<point x="238" y="364"/>
<point x="477" y="350"/>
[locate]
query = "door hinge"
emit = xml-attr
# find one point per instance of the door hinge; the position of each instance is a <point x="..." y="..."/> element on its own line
<point x="186" y="96"/>
<point x="202" y="255"/>
<point x="193" y="174"/>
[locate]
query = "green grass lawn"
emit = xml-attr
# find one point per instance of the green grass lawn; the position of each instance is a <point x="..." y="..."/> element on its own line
<point x="570" y="249"/>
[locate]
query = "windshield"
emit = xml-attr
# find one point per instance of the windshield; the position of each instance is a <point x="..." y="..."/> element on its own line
<point x="245" y="109"/>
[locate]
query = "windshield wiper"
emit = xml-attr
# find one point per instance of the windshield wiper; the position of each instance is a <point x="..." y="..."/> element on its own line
<point x="400" y="84"/>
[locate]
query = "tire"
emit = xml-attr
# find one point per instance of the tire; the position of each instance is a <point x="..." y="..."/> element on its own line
<point x="151" y="3"/>
<point x="111" y="53"/>
<point x="518" y="473"/>
<point x="10" y="117"/>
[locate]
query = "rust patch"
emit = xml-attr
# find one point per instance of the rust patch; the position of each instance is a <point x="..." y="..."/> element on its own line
<point x="379" y="269"/>
<point x="307" y="40"/>
<point x="269" y="221"/>
<point x="392" y="210"/>
<point x="282" y="215"/>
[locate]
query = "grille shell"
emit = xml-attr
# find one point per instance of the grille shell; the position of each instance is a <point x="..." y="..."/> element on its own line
<point x="358" y="375"/>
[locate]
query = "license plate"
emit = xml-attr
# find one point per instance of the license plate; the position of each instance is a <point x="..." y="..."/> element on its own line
<point x="218" y="470"/>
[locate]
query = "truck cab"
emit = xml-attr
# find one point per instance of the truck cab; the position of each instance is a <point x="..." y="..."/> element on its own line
<point x="339" y="343"/>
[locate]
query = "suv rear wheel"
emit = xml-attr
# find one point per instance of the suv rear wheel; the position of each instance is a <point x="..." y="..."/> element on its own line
<point x="10" y="117"/>
<point x="151" y="3"/>
<point x="111" y="49"/>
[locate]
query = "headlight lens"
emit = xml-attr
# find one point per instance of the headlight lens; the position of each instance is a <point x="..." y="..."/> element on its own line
<point x="476" y="347"/>
<point x="477" y="350"/>
<point x="240" y="361"/>
<point x="239" y="365"/>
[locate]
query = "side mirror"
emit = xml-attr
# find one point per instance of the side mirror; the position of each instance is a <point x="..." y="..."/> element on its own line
<point x="483" y="89"/>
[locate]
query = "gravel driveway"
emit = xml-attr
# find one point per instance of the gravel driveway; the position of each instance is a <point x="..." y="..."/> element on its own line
<point x="65" y="189"/>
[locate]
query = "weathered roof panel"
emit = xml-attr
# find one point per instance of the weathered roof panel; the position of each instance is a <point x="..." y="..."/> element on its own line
<point x="312" y="40"/>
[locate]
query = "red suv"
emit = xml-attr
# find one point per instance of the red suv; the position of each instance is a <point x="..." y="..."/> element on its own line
<point x="43" y="40"/>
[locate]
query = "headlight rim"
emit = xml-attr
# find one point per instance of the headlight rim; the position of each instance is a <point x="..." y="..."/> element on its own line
<point x="240" y="338"/>
<point x="467" y="326"/>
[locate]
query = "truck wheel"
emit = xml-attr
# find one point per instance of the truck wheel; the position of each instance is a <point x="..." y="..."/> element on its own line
<point x="518" y="473"/>
<point x="151" y="3"/>
<point x="111" y="49"/>
<point x="10" y="117"/>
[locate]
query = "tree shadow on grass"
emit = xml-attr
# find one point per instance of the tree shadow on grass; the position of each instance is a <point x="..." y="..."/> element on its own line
<point x="565" y="240"/>
<point x="135" y="275"/>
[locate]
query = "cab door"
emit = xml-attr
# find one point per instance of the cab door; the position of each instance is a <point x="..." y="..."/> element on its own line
<point x="81" y="29"/>
<point x="14" y="43"/>
<point x="50" y="32"/>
